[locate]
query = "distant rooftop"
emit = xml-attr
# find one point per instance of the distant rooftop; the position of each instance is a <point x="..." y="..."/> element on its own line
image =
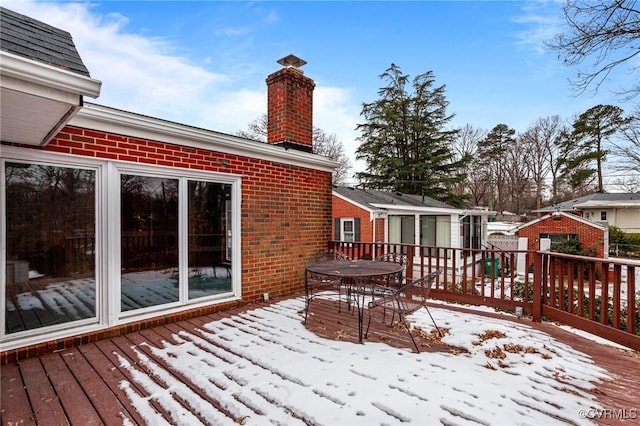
<point x="26" y="37"/>
<point x="372" y="197"/>
<point x="592" y="199"/>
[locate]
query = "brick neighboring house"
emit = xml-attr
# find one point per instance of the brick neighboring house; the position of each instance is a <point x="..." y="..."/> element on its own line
<point x="367" y="215"/>
<point x="560" y="226"/>
<point x="113" y="221"/>
<point x="621" y="210"/>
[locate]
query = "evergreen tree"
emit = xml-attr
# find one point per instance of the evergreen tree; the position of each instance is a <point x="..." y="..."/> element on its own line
<point x="404" y="140"/>
<point x="585" y="147"/>
<point x="492" y="153"/>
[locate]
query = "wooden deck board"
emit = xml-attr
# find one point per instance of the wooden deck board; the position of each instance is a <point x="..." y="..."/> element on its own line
<point x="111" y="377"/>
<point x="40" y="390"/>
<point x="122" y="346"/>
<point x="42" y="396"/>
<point x="15" y="403"/>
<point x="104" y="401"/>
<point x="77" y="406"/>
<point x="142" y="340"/>
<point x="156" y="337"/>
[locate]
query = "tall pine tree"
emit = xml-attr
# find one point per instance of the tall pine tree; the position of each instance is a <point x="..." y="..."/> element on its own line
<point x="405" y="142"/>
<point x="492" y="153"/>
<point x="585" y="148"/>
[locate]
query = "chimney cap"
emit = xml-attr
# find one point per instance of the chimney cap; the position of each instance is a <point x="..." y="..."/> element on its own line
<point x="291" y="61"/>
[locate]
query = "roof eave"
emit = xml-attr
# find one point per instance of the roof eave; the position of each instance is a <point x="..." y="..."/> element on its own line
<point x="38" y="99"/>
<point x="391" y="207"/>
<point x="48" y="76"/>
<point x="111" y="120"/>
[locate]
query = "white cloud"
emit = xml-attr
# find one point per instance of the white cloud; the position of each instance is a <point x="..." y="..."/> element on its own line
<point x="334" y="113"/>
<point x="542" y="20"/>
<point x="147" y="75"/>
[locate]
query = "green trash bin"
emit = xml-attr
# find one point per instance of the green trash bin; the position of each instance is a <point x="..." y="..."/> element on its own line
<point x="492" y="270"/>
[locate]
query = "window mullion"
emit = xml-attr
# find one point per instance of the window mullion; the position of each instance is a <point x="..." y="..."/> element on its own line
<point x="183" y="240"/>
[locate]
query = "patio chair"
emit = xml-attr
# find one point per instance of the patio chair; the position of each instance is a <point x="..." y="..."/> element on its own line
<point x="395" y="280"/>
<point x="404" y="301"/>
<point x="316" y="283"/>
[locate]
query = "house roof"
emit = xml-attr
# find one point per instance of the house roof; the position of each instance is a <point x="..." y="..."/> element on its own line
<point x="375" y="199"/>
<point x="574" y="217"/>
<point x="595" y="200"/>
<point x="42" y="78"/>
<point x="32" y="39"/>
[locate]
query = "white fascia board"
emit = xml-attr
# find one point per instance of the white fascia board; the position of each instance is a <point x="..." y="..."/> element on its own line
<point x="350" y="201"/>
<point x="30" y="72"/>
<point x="373" y="213"/>
<point x="417" y="210"/>
<point x="111" y="120"/>
<point x="608" y="204"/>
<point x="581" y="219"/>
<point x="567" y="215"/>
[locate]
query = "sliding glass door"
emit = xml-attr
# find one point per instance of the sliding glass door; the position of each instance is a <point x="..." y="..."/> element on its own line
<point x="50" y="265"/>
<point x="149" y="241"/>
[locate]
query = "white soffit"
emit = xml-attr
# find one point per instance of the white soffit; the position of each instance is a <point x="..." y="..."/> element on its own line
<point x="37" y="100"/>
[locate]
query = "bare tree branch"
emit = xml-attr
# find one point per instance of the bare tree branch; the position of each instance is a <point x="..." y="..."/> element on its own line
<point x="600" y="36"/>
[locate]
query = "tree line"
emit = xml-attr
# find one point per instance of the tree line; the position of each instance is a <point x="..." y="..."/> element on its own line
<point x="409" y="146"/>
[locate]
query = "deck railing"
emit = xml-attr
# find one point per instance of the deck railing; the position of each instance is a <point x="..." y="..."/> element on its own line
<point x="596" y="295"/>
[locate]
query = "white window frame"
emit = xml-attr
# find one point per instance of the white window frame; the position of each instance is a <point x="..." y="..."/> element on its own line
<point x="343" y="233"/>
<point x="108" y="241"/>
<point x="183" y="177"/>
<point x="14" y="155"/>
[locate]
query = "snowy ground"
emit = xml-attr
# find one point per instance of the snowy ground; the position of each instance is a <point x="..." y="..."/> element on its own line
<point x="265" y="367"/>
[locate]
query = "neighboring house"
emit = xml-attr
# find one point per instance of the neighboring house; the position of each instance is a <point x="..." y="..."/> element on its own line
<point x="619" y="210"/>
<point x="113" y="221"/>
<point x="367" y="215"/>
<point x="560" y="226"/>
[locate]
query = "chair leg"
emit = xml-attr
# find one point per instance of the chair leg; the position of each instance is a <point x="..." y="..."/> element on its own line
<point x="408" y="327"/>
<point x="433" y="321"/>
<point x="366" y="333"/>
<point x="406" y="324"/>
<point x="306" y="308"/>
<point x="307" y="299"/>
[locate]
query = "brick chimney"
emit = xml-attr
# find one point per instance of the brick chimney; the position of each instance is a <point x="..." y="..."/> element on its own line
<point x="290" y="106"/>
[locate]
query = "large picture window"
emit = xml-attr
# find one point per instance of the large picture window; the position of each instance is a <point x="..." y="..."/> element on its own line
<point x="435" y="231"/>
<point x="87" y="243"/>
<point x="50" y="269"/>
<point x="153" y="267"/>
<point x="402" y="230"/>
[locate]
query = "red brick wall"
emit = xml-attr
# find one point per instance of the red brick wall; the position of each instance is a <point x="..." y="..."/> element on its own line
<point x="590" y="237"/>
<point x="290" y="107"/>
<point x="286" y="210"/>
<point x="286" y="217"/>
<point x="341" y="208"/>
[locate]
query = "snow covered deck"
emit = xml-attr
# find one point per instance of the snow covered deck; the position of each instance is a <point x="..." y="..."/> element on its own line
<point x="261" y="365"/>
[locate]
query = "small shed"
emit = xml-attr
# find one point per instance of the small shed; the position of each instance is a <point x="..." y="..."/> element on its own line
<point x="560" y="226"/>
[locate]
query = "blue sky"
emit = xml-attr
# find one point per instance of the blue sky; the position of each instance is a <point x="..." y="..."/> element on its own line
<point x="204" y="63"/>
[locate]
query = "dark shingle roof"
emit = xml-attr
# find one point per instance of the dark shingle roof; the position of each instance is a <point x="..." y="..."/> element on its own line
<point x="569" y="205"/>
<point x="32" y="39"/>
<point x="370" y="197"/>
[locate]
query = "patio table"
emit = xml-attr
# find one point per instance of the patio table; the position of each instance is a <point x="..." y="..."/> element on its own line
<point x="356" y="275"/>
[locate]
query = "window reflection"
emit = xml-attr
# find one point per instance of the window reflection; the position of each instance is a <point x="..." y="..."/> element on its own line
<point x="209" y="238"/>
<point x="149" y="241"/>
<point x="50" y="239"/>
